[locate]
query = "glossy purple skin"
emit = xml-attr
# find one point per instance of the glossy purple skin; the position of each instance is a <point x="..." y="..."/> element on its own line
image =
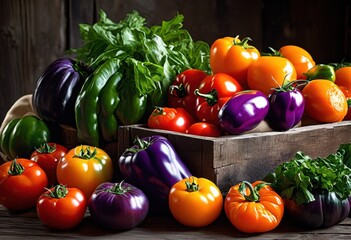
<point x="286" y="109"/>
<point x="155" y="169"/>
<point x="243" y="112"/>
<point x="56" y="92"/>
<point x="326" y="211"/>
<point x="118" y="211"/>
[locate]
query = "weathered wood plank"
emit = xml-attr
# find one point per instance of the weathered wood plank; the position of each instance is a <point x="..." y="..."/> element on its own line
<point x="27" y="224"/>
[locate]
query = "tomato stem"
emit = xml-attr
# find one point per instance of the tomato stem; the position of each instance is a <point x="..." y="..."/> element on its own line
<point x="15" y="168"/>
<point x="60" y="191"/>
<point x="86" y="153"/>
<point x="46" y="148"/>
<point x="254" y="195"/>
<point x="211" y="97"/>
<point x="192" y="186"/>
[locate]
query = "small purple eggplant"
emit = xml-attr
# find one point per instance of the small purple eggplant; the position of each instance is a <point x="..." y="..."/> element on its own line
<point x="326" y="211"/>
<point x="287" y="106"/>
<point x="118" y="206"/>
<point x="244" y="111"/>
<point x="154" y="166"/>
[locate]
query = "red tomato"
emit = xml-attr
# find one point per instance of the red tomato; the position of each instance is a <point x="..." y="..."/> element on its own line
<point x="231" y="56"/>
<point x="22" y="181"/>
<point x="195" y="202"/>
<point x="214" y="91"/>
<point x="270" y="72"/>
<point x="205" y="129"/>
<point x="181" y="92"/>
<point x="47" y="156"/>
<point x="173" y="119"/>
<point x="85" y="167"/>
<point x="61" y="207"/>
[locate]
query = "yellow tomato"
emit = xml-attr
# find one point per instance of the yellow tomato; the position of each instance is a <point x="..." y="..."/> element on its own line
<point x="85" y="167"/>
<point x="270" y="72"/>
<point x="195" y="202"/>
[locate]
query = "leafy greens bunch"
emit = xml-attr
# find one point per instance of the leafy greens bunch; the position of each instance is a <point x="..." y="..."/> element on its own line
<point x="302" y="176"/>
<point x="133" y="66"/>
<point x="152" y="56"/>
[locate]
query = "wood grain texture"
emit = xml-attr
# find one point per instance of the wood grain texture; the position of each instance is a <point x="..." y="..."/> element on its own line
<point x="27" y="225"/>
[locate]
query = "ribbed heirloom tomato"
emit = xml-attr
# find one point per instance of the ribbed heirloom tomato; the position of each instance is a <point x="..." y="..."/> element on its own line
<point x="195" y="202"/>
<point x="85" y="167"/>
<point x="324" y="101"/>
<point x="270" y="72"/>
<point x="253" y="208"/>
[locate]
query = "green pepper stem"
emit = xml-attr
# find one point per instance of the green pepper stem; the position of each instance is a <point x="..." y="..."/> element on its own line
<point x="15" y="168"/>
<point x="211" y="97"/>
<point x="177" y="91"/>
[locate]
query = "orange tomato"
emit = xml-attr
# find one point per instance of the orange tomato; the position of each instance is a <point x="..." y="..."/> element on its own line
<point x="84" y="167"/>
<point x="231" y="56"/>
<point x="195" y="202"/>
<point x="343" y="77"/>
<point x="299" y="57"/>
<point x="324" y="101"/>
<point x="253" y="208"/>
<point x="270" y="72"/>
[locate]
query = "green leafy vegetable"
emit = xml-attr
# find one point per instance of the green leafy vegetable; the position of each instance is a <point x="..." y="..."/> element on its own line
<point x="302" y="176"/>
<point x="168" y="46"/>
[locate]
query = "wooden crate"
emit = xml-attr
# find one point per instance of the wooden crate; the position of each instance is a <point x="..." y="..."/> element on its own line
<point x="230" y="159"/>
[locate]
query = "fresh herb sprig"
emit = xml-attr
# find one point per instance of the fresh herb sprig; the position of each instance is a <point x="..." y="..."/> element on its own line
<point x="302" y="176"/>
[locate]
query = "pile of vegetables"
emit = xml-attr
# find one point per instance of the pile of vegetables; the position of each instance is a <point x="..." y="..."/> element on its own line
<point x="127" y="73"/>
<point x="122" y="71"/>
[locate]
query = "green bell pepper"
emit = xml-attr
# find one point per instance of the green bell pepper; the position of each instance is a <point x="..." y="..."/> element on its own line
<point x="321" y="71"/>
<point x="21" y="135"/>
<point x="132" y="107"/>
<point x="87" y="106"/>
<point x="109" y="100"/>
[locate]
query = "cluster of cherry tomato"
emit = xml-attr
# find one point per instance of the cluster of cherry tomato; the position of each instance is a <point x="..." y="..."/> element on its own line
<point x="238" y="66"/>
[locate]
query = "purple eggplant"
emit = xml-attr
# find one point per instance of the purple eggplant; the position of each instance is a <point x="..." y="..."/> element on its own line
<point x="118" y="206"/>
<point x="287" y="106"/>
<point x="243" y="112"/>
<point x="327" y="210"/>
<point x="154" y="166"/>
<point x="56" y="91"/>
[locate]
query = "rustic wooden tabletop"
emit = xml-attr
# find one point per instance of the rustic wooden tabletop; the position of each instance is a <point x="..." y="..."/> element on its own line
<point x="26" y="224"/>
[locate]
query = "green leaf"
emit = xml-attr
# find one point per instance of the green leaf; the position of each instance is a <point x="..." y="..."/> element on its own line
<point x="302" y="176"/>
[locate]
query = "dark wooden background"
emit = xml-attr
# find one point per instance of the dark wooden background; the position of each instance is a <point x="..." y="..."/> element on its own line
<point x="33" y="33"/>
